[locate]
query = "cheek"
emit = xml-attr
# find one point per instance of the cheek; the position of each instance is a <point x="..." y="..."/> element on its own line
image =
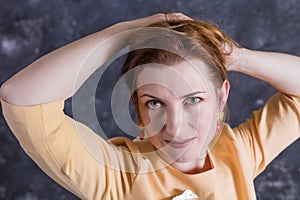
<point x="205" y="122"/>
<point x="202" y="119"/>
<point x="153" y="120"/>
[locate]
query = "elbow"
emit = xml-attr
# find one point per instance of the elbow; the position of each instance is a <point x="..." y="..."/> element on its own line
<point x="9" y="94"/>
<point x="3" y="91"/>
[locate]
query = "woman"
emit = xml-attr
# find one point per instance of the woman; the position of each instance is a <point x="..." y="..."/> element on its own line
<point x="176" y="72"/>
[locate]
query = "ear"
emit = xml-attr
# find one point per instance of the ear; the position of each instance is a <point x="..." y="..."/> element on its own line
<point x="223" y="93"/>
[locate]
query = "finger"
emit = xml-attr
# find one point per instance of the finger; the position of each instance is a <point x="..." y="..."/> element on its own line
<point x="171" y="16"/>
<point x="182" y="16"/>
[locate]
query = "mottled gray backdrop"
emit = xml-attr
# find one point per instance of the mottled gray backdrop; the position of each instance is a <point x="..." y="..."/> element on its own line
<point x="32" y="28"/>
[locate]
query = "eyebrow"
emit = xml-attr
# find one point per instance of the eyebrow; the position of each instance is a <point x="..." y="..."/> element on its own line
<point x="182" y="97"/>
<point x="192" y="94"/>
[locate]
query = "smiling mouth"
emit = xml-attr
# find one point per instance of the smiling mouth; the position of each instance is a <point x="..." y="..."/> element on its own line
<point x="180" y="144"/>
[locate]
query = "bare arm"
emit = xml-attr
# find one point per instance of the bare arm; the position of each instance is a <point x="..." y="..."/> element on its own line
<point x="280" y="70"/>
<point x="59" y="74"/>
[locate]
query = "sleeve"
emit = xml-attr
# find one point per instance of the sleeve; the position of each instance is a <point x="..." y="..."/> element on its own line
<point x="271" y="130"/>
<point x="71" y="153"/>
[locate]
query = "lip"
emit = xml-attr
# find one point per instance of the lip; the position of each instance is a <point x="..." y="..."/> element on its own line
<point x="179" y="144"/>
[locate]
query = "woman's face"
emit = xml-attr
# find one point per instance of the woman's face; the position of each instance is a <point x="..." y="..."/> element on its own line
<point x="178" y="108"/>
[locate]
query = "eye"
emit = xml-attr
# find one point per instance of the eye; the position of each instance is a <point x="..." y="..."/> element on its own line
<point x="153" y="104"/>
<point x="193" y="100"/>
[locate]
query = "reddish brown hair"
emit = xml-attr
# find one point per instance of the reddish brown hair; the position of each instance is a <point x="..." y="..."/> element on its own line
<point x="172" y="41"/>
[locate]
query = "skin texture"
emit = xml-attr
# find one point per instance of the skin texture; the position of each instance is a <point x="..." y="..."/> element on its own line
<point x="34" y="84"/>
<point x="178" y="106"/>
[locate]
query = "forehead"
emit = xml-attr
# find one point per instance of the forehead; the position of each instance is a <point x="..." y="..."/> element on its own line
<point x="180" y="78"/>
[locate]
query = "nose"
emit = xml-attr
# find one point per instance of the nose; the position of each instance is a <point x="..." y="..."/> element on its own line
<point x="173" y="121"/>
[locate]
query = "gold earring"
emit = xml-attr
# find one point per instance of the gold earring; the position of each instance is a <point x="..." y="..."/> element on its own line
<point x="141" y="127"/>
<point x="140" y="124"/>
<point x="220" y="117"/>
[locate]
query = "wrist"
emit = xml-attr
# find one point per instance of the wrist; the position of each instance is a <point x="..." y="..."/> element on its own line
<point x="243" y="60"/>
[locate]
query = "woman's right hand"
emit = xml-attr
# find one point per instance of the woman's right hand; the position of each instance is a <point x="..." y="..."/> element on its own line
<point x="146" y="21"/>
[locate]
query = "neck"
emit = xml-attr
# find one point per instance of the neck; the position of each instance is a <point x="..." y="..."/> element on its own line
<point x="193" y="167"/>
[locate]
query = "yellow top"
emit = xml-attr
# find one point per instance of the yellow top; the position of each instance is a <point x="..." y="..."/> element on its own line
<point x="91" y="168"/>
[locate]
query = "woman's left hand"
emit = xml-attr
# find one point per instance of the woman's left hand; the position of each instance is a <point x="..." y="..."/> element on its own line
<point x="233" y="57"/>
